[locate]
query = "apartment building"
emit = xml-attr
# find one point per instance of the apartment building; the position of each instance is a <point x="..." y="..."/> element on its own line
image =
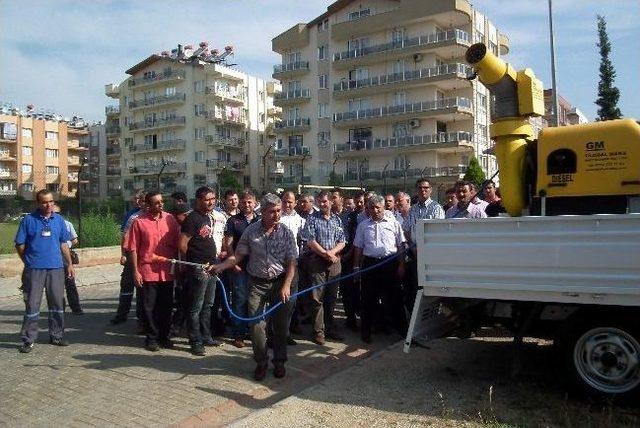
<point x="38" y="151"/>
<point x="96" y="163"/>
<point x="568" y="114"/>
<point x="186" y="119"/>
<point x="376" y="92"/>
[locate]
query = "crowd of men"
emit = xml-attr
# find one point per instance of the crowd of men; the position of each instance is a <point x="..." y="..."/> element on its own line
<point x="359" y="249"/>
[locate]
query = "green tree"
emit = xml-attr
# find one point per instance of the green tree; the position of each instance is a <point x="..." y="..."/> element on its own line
<point x="335" y="179"/>
<point x="226" y="181"/>
<point x="474" y="173"/>
<point x="608" y="94"/>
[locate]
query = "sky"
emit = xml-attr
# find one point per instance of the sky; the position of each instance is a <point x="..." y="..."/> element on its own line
<point x="59" y="54"/>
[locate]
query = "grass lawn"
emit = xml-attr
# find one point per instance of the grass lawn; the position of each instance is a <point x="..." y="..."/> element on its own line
<point x="7" y="233"/>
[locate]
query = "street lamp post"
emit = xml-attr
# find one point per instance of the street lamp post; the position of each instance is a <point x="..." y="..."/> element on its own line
<point x="83" y="161"/>
<point x="164" y="164"/>
<point x="304" y="157"/>
<point x="554" y="86"/>
<point x="384" y="178"/>
<point x="264" y="165"/>
<point x="406" y="169"/>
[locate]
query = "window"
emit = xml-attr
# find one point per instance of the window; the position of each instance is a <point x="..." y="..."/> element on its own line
<point x="324" y="25"/>
<point x="199" y="133"/>
<point x="199" y="109"/>
<point x="398" y="67"/>
<point x="322" y="81"/>
<point x="262" y="117"/>
<point x="199" y="156"/>
<point x="322" y="52"/>
<point x="51" y="153"/>
<point x="149" y="74"/>
<point x="324" y="138"/>
<point x="359" y="14"/>
<point x="199" y="180"/>
<point x="52" y="169"/>
<point x="198" y="86"/>
<point x="295" y="141"/>
<point x="360" y="136"/>
<point x="401" y="163"/>
<point x="51" y="135"/>
<point x="294" y="57"/>
<point x="293" y="113"/>
<point x="323" y="110"/>
<point x="482" y="101"/>
<point x="170" y="90"/>
<point x="27" y="151"/>
<point x="361" y="104"/>
<point x="360" y="43"/>
<point x="27" y="132"/>
<point x="27" y="168"/>
<point x="53" y="187"/>
<point x="399" y="99"/>
<point x="27" y="187"/>
<point x="400" y="130"/>
<point x="359" y="74"/>
<point x="398" y="35"/>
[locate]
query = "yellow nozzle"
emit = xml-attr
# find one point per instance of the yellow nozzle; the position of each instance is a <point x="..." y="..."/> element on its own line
<point x="489" y="67"/>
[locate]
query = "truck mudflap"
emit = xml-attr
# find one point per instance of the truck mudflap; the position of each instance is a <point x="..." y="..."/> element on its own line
<point x="433" y="318"/>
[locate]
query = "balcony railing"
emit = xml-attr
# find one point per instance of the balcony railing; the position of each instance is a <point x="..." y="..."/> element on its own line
<point x="408" y="141"/>
<point x="162" y="145"/>
<point x="73" y="160"/>
<point x="114" y="171"/>
<point x="428" y="39"/>
<point x="216" y="140"/>
<point x="8" y="192"/>
<point x="293" y="123"/>
<point x="421" y="107"/>
<point x="291" y="180"/>
<point x="445" y="171"/>
<point x="114" y="192"/>
<point x="218" y="164"/>
<point x="155" y="168"/>
<point x="166" y="75"/>
<point x="291" y="66"/>
<point x="7" y="156"/>
<point x="164" y="99"/>
<point x="113" y="151"/>
<point x="112" y="130"/>
<point x="112" y="110"/>
<point x="158" y="123"/>
<point x="461" y="70"/>
<point x="219" y="114"/>
<point x="7" y="174"/>
<point x="296" y="94"/>
<point x="291" y="151"/>
<point x="233" y="95"/>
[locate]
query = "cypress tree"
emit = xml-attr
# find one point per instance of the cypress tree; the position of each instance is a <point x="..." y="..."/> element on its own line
<point x="474" y="173"/>
<point x="608" y="94"/>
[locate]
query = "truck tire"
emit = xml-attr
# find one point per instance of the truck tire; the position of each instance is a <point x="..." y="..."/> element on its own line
<point x="603" y="359"/>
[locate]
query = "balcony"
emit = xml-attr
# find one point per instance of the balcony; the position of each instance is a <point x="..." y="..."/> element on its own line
<point x="154" y="169"/>
<point x="114" y="151"/>
<point x="446" y="76"/>
<point x="52" y="178"/>
<point x="7" y="140"/>
<point x="75" y="145"/>
<point x="290" y="69"/>
<point x="169" y="122"/>
<point x="114" y="192"/>
<point x="166" y="76"/>
<point x="218" y="141"/>
<point x="73" y="177"/>
<point x="293" y="125"/>
<point x="8" y="192"/>
<point x="292" y="153"/>
<point x="111" y="131"/>
<point x="225" y="96"/>
<point x="73" y="161"/>
<point x="450" y="43"/>
<point x="448" y="109"/>
<point x="219" y="115"/>
<point x="112" y="90"/>
<point x="158" y="147"/>
<point x="291" y="97"/>
<point x="6" y="174"/>
<point x="290" y="180"/>
<point x="273" y="111"/>
<point x="447" y="172"/>
<point x="112" y="110"/>
<point x="158" y="101"/>
<point x="439" y="141"/>
<point x="8" y="156"/>
<point x="114" y="171"/>
<point x="214" y="165"/>
<point x="172" y="187"/>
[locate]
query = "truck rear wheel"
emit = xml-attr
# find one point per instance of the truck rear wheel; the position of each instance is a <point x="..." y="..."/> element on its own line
<point x="604" y="361"/>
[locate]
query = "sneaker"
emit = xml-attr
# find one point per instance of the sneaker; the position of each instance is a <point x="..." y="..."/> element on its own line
<point x="211" y="342"/>
<point x="118" y="320"/>
<point x="25" y="348"/>
<point x="78" y="312"/>
<point x="238" y="342"/>
<point x="279" y="371"/>
<point x="152" y="346"/>
<point x="260" y="372"/>
<point x="197" y="349"/>
<point x="58" y="341"/>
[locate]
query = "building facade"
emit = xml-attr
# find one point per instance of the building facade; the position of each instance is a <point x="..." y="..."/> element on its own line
<point x="96" y="162"/>
<point x="568" y="114"/>
<point x="184" y="120"/>
<point x="38" y="152"/>
<point x="375" y="94"/>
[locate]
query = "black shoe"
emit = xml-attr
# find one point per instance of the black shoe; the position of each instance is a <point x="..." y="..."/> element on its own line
<point x="78" y="312"/>
<point x="152" y="346"/>
<point x="198" y="350"/>
<point x="118" y="320"/>
<point x="291" y="341"/>
<point x="25" y="348"/>
<point x="166" y="344"/>
<point x="211" y="342"/>
<point x="58" y="341"/>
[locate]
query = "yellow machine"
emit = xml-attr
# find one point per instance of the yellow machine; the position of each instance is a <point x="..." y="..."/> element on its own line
<point x="581" y="169"/>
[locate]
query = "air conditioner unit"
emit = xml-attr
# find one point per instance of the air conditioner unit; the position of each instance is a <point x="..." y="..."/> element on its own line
<point x="414" y="123"/>
<point x="417" y="57"/>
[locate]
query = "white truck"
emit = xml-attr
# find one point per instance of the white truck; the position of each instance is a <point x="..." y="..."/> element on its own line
<point x="573" y="279"/>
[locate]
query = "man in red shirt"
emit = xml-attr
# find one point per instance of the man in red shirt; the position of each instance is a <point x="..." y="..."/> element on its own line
<point x="155" y="233"/>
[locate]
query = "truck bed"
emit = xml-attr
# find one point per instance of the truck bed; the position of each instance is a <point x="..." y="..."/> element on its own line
<point x="565" y="259"/>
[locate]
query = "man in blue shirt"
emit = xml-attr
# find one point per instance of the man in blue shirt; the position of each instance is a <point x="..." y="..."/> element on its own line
<point x="41" y="242"/>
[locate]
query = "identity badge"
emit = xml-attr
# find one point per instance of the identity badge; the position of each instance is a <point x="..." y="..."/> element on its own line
<point x="46" y="232"/>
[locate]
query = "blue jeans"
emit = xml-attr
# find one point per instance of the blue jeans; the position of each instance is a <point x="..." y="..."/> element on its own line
<point x="203" y="292"/>
<point x="239" y="284"/>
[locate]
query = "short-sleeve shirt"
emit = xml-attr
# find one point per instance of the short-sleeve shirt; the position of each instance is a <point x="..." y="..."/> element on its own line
<point x="294" y="222"/>
<point x="41" y="238"/>
<point x="326" y="232"/>
<point x="470" y="211"/>
<point x="148" y="237"/>
<point x="268" y="255"/>
<point x="72" y="232"/>
<point x="202" y="246"/>
<point x="236" y="225"/>
<point x="379" y="238"/>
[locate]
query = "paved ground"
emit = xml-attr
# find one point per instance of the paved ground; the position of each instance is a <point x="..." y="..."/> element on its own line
<point x="105" y="378"/>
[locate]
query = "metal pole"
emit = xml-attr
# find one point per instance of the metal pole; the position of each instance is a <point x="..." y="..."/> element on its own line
<point x="79" y="196"/>
<point x="554" y="86"/>
<point x="164" y="164"/>
<point x="384" y="178"/>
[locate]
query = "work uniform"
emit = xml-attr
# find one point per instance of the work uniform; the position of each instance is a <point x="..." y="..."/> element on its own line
<point x="42" y="238"/>
<point x="127" y="285"/>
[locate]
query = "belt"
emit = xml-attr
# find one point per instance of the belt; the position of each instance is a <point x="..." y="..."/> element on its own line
<point x="275" y="278"/>
<point x="381" y="258"/>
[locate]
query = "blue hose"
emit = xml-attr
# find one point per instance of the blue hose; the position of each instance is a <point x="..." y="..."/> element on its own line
<point x="299" y="293"/>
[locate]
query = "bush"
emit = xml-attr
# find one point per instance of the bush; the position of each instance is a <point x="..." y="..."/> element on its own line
<point x="98" y="230"/>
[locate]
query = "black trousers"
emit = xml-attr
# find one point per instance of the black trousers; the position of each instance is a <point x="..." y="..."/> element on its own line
<point x="382" y="297"/>
<point x="72" y="294"/>
<point x="158" y="299"/>
<point x="350" y="291"/>
<point x="127" y="288"/>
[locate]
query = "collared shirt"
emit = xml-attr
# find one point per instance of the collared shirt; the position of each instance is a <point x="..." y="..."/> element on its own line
<point x="363" y="215"/>
<point x="470" y="211"/>
<point x="480" y="202"/>
<point x="268" y="254"/>
<point x="41" y="238"/>
<point x="427" y="210"/>
<point x="149" y="236"/>
<point x="72" y="232"/>
<point x="327" y="232"/>
<point x="379" y="238"/>
<point x="294" y="222"/>
<point x="236" y="226"/>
